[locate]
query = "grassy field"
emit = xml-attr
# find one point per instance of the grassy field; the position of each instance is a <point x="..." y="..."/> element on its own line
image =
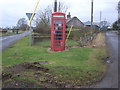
<point x="75" y="66"/>
<point x="10" y="33"/>
<point x="7" y="34"/>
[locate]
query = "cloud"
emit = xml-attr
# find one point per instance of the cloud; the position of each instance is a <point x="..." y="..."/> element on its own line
<point x="82" y="9"/>
<point x="12" y="10"/>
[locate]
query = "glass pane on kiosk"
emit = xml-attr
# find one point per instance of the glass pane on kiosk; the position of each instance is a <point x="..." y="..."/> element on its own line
<point x="57" y="21"/>
<point x="58" y="35"/>
<point x="58" y="28"/>
<point x="58" y="25"/>
<point x="58" y="38"/>
<point x="58" y="31"/>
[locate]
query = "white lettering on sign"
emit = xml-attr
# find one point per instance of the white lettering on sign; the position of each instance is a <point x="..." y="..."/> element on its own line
<point x="58" y="16"/>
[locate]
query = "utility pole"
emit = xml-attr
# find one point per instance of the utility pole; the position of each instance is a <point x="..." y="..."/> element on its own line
<point x="100" y="18"/>
<point x="91" y="13"/>
<point x="59" y="7"/>
<point x="118" y="10"/>
<point x="100" y="15"/>
<point x="118" y="24"/>
<point x="55" y="6"/>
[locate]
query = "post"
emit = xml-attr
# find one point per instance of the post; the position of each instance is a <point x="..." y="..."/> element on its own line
<point x="69" y="32"/>
<point x="55" y="6"/>
<point x="59" y="7"/>
<point x="30" y="37"/>
<point x="100" y="19"/>
<point x="118" y="13"/>
<point x="118" y="10"/>
<point x="29" y="23"/>
<point x="100" y="15"/>
<point x="92" y="13"/>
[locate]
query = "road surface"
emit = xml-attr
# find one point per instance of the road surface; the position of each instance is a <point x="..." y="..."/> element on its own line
<point x="6" y="41"/>
<point x="110" y="79"/>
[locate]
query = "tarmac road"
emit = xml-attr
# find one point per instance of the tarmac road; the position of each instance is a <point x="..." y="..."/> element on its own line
<point x="6" y="41"/>
<point x="110" y="79"/>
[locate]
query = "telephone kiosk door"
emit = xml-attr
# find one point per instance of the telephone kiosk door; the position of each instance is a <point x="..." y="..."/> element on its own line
<point x="58" y="28"/>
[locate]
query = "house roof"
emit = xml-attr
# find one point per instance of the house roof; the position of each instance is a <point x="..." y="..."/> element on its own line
<point x="68" y="20"/>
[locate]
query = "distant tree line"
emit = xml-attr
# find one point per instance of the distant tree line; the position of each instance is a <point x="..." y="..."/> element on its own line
<point x="21" y="24"/>
<point x="116" y="24"/>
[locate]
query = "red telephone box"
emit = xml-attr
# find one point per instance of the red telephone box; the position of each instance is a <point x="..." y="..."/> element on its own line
<point x="58" y="28"/>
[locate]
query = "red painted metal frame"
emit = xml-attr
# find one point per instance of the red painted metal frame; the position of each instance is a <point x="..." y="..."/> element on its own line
<point x="58" y="24"/>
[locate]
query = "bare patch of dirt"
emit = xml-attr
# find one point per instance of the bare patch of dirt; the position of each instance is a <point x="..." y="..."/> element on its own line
<point x="33" y="74"/>
<point x="51" y="51"/>
<point x="26" y="66"/>
<point x="6" y="76"/>
<point x="99" y="41"/>
<point x="30" y="74"/>
<point x="75" y="46"/>
<point x="18" y="84"/>
<point x="11" y="73"/>
<point x="66" y="49"/>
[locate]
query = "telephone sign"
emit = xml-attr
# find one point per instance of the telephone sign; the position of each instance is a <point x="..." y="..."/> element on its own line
<point x="58" y="28"/>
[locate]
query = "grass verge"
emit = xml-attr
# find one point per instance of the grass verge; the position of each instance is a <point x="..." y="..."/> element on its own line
<point x="11" y="33"/>
<point x="76" y="66"/>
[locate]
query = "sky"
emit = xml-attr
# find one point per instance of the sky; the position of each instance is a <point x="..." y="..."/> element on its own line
<point x="12" y="10"/>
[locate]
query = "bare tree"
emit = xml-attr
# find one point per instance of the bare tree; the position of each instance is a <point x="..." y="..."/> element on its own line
<point x="62" y="7"/>
<point x="43" y="21"/>
<point x="43" y="18"/>
<point x="22" y="24"/>
<point x="104" y="24"/>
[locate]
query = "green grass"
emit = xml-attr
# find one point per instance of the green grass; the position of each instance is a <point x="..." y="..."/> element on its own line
<point x="22" y="52"/>
<point x="11" y="33"/>
<point x="7" y="34"/>
<point x="81" y="66"/>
